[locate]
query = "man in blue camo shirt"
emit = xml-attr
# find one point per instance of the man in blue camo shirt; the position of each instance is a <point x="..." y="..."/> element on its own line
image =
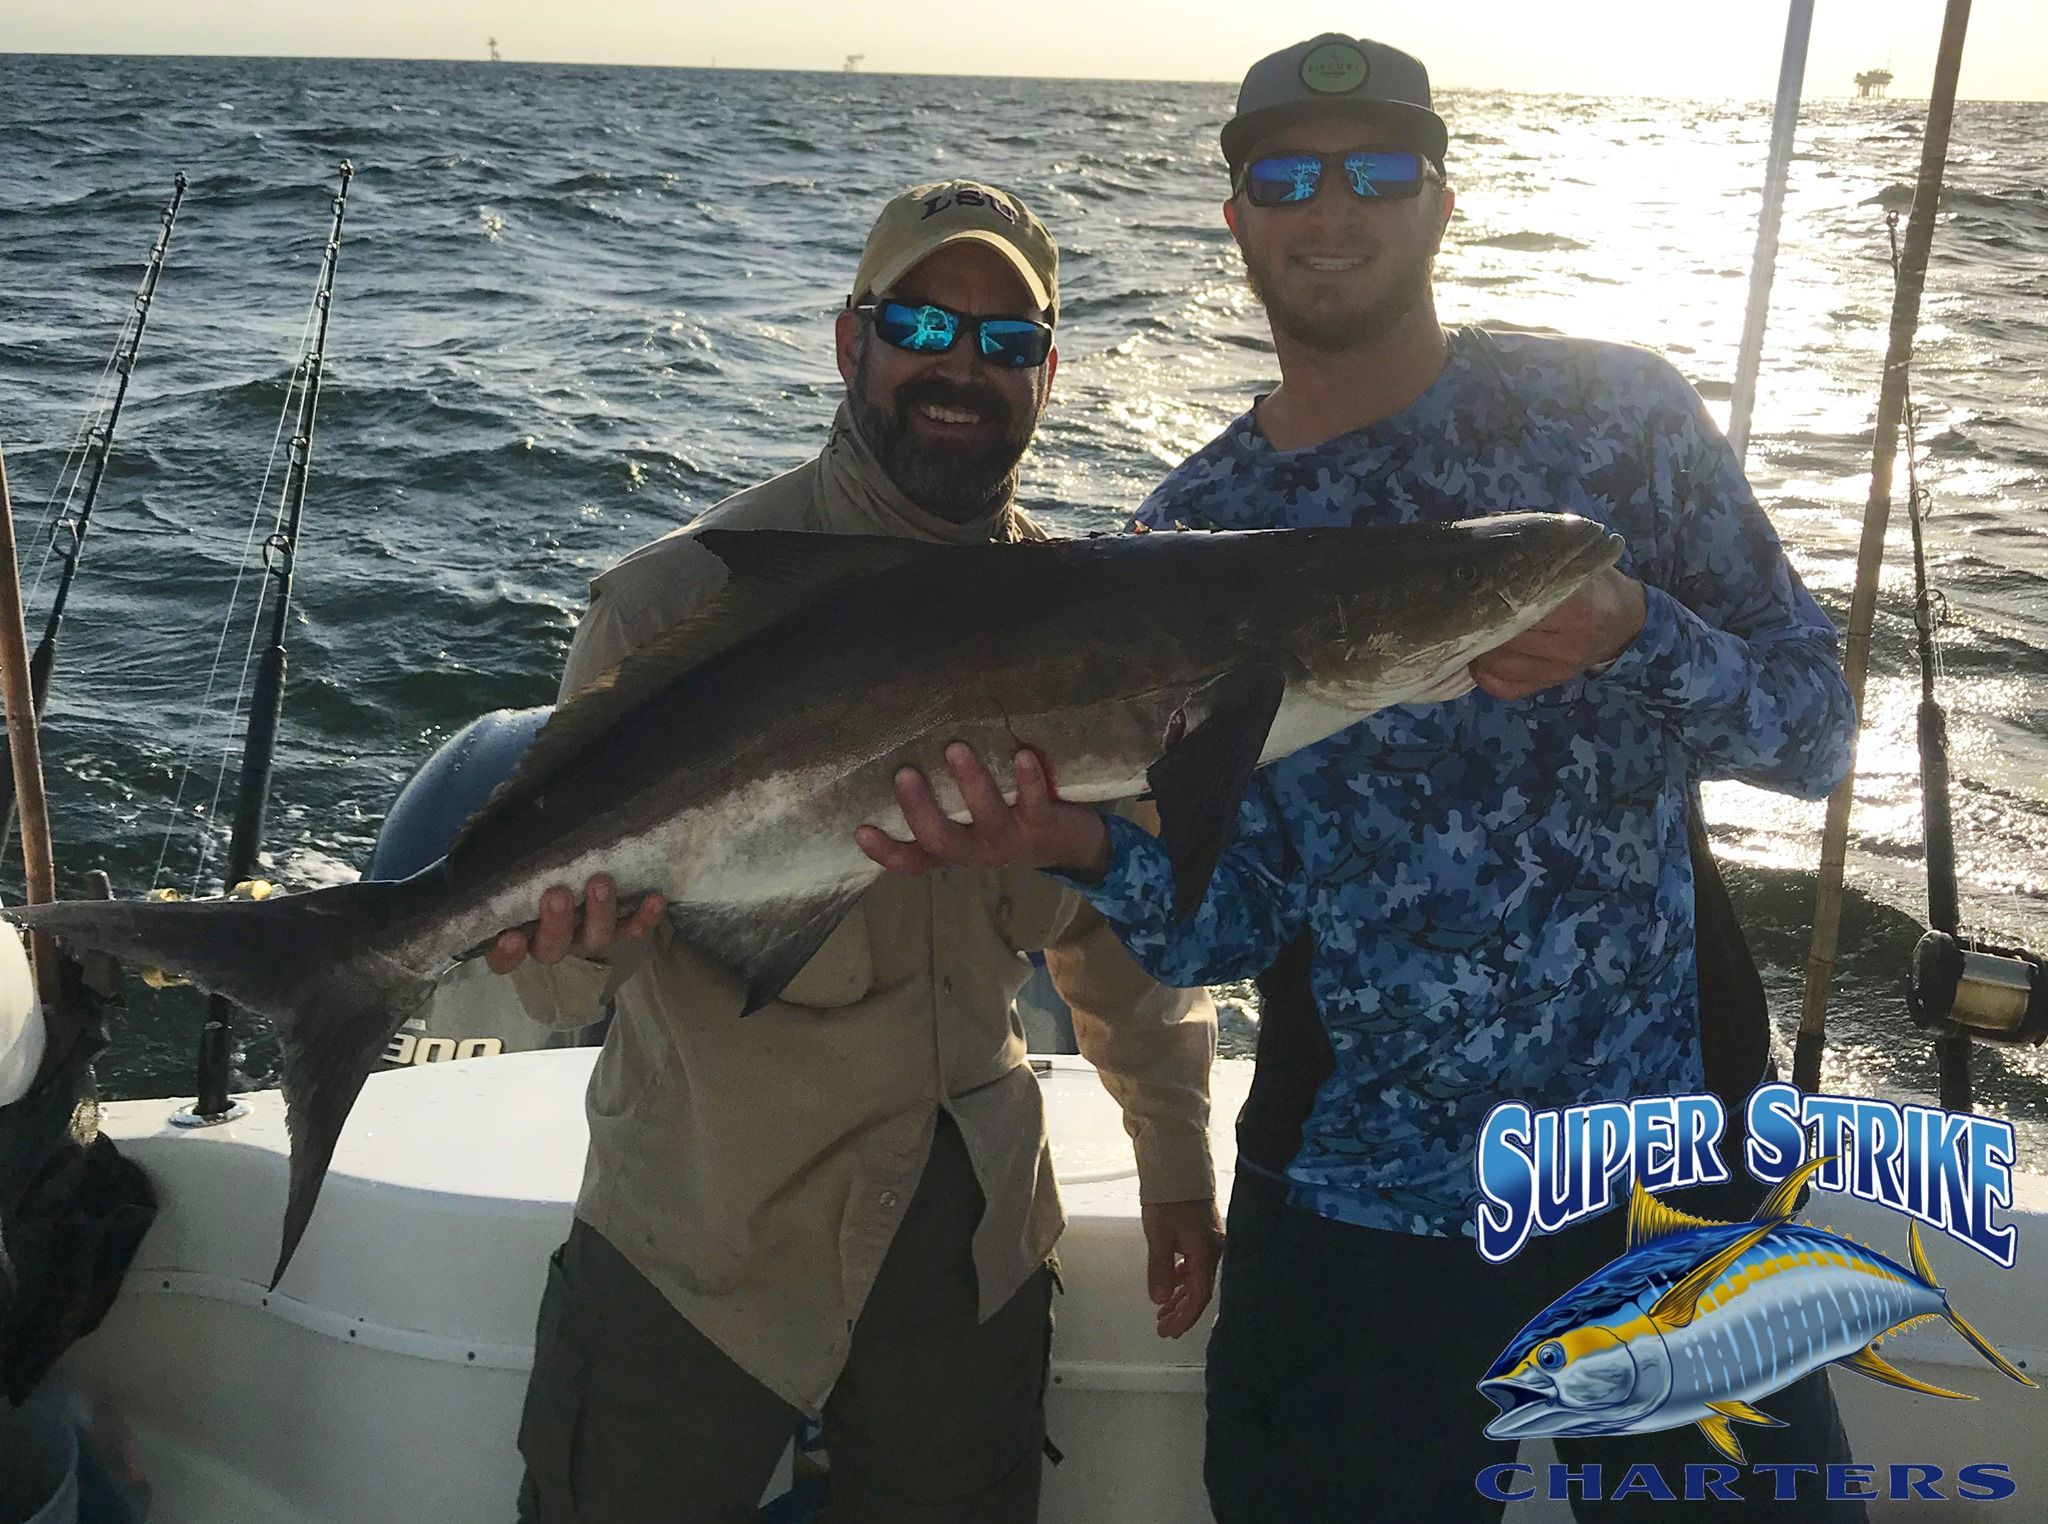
<point x="1496" y="891"/>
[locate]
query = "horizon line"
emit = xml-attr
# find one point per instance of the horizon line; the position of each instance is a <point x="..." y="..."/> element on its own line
<point x="1103" y="79"/>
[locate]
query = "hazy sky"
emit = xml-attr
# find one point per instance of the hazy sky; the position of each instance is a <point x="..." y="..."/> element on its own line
<point x="1656" y="47"/>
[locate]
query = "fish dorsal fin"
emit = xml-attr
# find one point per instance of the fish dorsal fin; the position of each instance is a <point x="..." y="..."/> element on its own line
<point x="600" y="704"/>
<point x="770" y="573"/>
<point x="1678" y="1306"/>
<point x="1868" y="1362"/>
<point x="1722" y="1437"/>
<point x="1742" y="1412"/>
<point x="1777" y="1206"/>
<point x="802" y="565"/>
<point x="1649" y="1219"/>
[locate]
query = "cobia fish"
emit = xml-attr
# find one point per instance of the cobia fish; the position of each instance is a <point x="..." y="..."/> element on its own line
<point x="728" y="764"/>
<point x="1699" y="1320"/>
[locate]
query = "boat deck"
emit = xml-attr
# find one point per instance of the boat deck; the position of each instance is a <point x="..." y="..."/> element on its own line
<point x="384" y="1376"/>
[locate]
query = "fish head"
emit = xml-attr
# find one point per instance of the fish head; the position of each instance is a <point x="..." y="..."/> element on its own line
<point x="1588" y="1378"/>
<point x="1392" y="616"/>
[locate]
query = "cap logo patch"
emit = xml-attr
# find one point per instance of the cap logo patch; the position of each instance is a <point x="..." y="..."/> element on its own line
<point x="1335" y="68"/>
<point x="965" y="197"/>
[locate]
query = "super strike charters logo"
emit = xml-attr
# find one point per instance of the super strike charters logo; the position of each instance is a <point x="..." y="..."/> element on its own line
<point x="1698" y="1321"/>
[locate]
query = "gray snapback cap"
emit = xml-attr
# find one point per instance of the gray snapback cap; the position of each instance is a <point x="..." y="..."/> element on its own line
<point x="1335" y="75"/>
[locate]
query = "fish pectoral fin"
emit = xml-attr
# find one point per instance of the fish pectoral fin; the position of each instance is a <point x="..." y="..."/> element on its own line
<point x="1742" y="1412"/>
<point x="1649" y="1218"/>
<point x="1200" y="779"/>
<point x="1868" y="1362"/>
<point x="767" y="945"/>
<point x="1722" y="1438"/>
<point x="1678" y="1306"/>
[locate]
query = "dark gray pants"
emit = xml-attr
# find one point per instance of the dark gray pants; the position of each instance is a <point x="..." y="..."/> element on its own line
<point x="633" y="1416"/>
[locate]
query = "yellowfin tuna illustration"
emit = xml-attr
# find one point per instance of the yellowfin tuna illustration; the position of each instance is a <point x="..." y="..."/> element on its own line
<point x="1698" y="1320"/>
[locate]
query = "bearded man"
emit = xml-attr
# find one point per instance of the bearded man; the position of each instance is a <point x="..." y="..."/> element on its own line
<point x="843" y="1204"/>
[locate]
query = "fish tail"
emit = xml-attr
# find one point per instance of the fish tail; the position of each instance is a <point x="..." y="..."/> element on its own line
<point x="320" y="965"/>
<point x="1956" y="1320"/>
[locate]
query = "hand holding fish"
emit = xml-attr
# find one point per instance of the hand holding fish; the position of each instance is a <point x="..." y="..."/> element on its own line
<point x="1592" y="627"/>
<point x="1038" y="831"/>
<point x="559" y="931"/>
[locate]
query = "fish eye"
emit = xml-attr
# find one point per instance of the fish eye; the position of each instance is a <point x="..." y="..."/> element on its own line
<point x="1550" y="1356"/>
<point x="1466" y="573"/>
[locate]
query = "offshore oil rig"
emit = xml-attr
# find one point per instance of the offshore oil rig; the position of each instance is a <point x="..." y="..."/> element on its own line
<point x="1870" y="85"/>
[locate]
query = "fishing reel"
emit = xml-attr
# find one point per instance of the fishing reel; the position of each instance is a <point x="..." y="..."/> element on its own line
<point x="1963" y="987"/>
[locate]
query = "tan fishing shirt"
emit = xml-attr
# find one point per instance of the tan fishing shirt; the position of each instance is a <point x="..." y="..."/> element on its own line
<point x="754" y="1169"/>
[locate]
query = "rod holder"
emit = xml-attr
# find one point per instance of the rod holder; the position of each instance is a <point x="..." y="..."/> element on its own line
<point x="192" y="1116"/>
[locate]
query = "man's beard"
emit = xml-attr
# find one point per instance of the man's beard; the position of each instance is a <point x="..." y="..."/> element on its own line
<point x="1340" y="330"/>
<point x="957" y="484"/>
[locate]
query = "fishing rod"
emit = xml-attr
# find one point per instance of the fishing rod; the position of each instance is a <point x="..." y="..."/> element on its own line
<point x="1944" y="910"/>
<point x="1811" y="1042"/>
<point x="25" y="755"/>
<point x="1763" y="265"/>
<point x="1959" y="988"/>
<point x="67" y="535"/>
<point x="266" y="703"/>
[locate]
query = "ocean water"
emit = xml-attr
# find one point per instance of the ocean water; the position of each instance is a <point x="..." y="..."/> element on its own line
<point x="576" y="305"/>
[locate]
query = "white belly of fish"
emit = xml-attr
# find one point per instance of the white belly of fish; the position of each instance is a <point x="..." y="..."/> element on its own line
<point x="788" y="838"/>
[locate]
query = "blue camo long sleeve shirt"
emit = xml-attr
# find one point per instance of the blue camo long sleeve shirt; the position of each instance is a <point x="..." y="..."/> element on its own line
<point x="1500" y="893"/>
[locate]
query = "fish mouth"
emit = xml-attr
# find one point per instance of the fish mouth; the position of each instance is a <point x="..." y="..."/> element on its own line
<point x="1524" y="1405"/>
<point x="1597" y="554"/>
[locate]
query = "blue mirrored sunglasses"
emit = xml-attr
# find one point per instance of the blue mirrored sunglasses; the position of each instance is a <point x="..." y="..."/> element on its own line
<point x="1016" y="343"/>
<point x="1289" y="179"/>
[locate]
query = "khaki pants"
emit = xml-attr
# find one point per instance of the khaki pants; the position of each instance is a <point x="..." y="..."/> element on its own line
<point x="633" y="1416"/>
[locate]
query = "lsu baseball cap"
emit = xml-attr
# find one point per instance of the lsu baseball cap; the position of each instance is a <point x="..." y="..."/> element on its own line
<point x="1335" y="75"/>
<point x="922" y="220"/>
